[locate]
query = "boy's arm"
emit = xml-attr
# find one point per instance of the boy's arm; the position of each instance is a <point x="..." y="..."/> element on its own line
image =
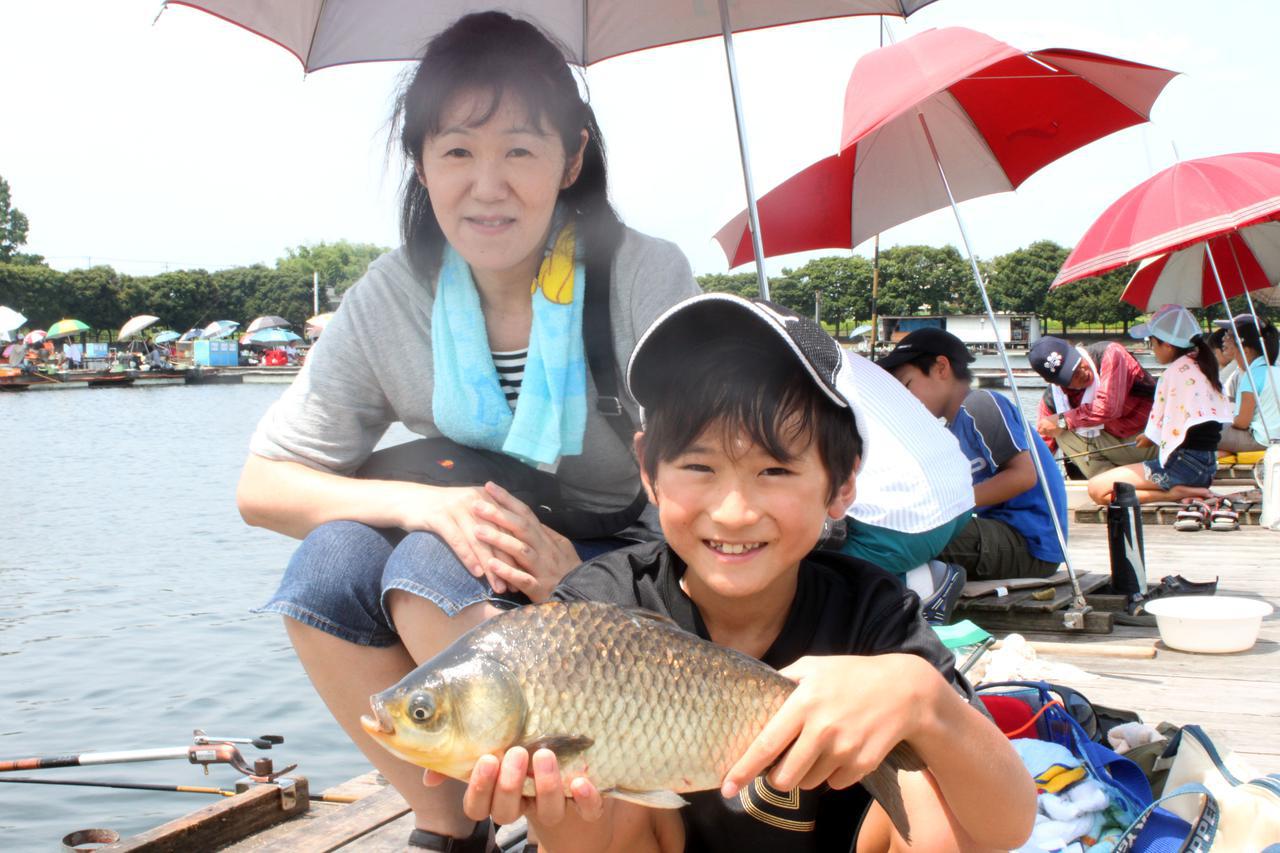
<point x="1014" y="477"/>
<point x="848" y="712"/>
<point x="1001" y="432"/>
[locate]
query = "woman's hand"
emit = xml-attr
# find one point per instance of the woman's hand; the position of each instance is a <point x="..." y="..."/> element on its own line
<point x="1142" y="441"/>
<point x="840" y="722"/>
<point x="526" y="554"/>
<point x="455" y="513"/>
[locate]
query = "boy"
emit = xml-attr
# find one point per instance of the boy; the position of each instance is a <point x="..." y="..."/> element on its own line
<point x="748" y="449"/>
<point x="1012" y="535"/>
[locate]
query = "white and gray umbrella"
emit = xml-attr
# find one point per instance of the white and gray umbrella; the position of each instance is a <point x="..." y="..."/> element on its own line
<point x="270" y="321"/>
<point x="9" y="320"/>
<point x="137" y="324"/>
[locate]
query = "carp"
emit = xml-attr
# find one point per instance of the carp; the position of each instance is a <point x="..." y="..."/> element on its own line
<point x="622" y="696"/>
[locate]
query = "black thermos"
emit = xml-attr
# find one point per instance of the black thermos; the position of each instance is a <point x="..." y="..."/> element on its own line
<point x="1124" y="540"/>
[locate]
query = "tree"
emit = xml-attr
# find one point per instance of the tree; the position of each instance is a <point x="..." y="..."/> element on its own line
<point x="13" y="226"/>
<point x="844" y="284"/>
<point x="340" y="264"/>
<point x="914" y="279"/>
<point x="93" y="296"/>
<point x="743" y="284"/>
<point x="34" y="290"/>
<point x="1020" y="280"/>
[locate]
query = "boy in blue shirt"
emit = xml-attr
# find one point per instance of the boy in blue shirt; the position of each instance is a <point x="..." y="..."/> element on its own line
<point x="1011" y="535"/>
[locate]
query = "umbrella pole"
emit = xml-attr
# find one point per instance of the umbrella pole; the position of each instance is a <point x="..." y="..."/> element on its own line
<point x="753" y="214"/>
<point x="1235" y="334"/>
<point x="1074" y="618"/>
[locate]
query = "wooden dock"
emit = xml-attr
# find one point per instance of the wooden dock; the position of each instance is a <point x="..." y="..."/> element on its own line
<point x="1234" y="697"/>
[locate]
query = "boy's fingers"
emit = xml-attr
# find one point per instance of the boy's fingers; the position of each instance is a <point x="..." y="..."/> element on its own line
<point x="796" y="762"/>
<point x="508" y="797"/>
<point x="477" y="800"/>
<point x="431" y="778"/>
<point x="767" y="746"/>
<point x="512" y="577"/>
<point x="548" y="789"/>
<point x="586" y="799"/>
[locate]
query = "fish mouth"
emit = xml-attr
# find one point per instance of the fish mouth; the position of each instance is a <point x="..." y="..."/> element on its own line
<point x="380" y="723"/>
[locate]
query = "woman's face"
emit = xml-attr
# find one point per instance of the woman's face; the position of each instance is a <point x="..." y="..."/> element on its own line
<point x="1232" y="351"/>
<point x="494" y="186"/>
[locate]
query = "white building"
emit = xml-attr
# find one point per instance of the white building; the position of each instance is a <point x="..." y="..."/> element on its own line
<point x="1018" y="331"/>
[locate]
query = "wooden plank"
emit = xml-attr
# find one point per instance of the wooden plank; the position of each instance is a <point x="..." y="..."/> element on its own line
<point x="220" y="823"/>
<point x="344" y="824"/>
<point x="1022" y="621"/>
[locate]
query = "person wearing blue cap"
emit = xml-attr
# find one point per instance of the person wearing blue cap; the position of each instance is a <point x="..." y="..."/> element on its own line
<point x="1096" y="403"/>
<point x="1186" y="418"/>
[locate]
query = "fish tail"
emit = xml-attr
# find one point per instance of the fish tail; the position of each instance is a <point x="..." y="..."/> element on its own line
<point x="882" y="784"/>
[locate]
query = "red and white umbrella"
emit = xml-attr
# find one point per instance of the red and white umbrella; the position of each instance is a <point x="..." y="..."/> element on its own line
<point x="992" y="114"/>
<point x="1248" y="259"/>
<point x="35" y="337"/>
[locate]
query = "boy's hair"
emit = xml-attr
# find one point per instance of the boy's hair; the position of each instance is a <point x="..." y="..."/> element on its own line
<point x="753" y="386"/>
<point x="925" y="362"/>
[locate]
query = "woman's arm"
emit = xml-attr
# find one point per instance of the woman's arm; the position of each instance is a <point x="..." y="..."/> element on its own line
<point x="1248" y="404"/>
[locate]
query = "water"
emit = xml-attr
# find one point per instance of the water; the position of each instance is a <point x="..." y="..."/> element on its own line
<point x="126" y="579"/>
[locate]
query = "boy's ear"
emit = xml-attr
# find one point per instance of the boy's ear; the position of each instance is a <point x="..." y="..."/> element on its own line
<point x="638" y="442"/>
<point x="845" y="494"/>
<point x="942" y="367"/>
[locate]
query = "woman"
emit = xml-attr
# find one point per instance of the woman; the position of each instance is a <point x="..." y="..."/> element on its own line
<point x="1257" y="414"/>
<point x="508" y="184"/>
<point x="1186" y="417"/>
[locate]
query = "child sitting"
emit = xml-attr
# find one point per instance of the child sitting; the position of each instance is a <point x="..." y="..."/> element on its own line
<point x="748" y="448"/>
<point x="1186" y="418"/>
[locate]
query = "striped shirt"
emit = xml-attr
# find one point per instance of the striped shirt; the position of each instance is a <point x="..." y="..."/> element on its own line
<point x="510" y="366"/>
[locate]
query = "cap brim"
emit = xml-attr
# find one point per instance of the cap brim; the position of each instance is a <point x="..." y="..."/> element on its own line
<point x="897" y="358"/>
<point x="1142" y="331"/>
<point x="699" y="319"/>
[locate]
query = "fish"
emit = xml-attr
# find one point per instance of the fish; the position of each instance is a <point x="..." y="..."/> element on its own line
<point x="623" y="696"/>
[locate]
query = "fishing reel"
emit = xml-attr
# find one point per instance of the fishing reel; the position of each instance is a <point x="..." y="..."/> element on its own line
<point x="223" y="750"/>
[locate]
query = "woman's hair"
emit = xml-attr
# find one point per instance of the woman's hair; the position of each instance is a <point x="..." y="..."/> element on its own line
<point x="739" y="386"/>
<point x="1253" y="341"/>
<point x="1205" y="359"/>
<point x="494" y="53"/>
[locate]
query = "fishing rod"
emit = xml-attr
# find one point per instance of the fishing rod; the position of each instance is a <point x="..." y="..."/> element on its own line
<point x="344" y="799"/>
<point x="1103" y="450"/>
<point x="204" y="751"/>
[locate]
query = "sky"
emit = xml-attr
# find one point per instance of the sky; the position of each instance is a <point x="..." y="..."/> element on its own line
<point x="182" y="141"/>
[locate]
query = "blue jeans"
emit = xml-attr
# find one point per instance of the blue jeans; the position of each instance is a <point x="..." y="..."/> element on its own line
<point x="1183" y="468"/>
<point x="339" y="577"/>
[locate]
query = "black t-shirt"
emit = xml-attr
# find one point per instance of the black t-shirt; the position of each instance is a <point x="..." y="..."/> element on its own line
<point x="843" y="606"/>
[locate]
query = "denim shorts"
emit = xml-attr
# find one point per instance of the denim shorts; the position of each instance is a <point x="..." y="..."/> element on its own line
<point x="1184" y="468"/>
<point x="339" y="577"/>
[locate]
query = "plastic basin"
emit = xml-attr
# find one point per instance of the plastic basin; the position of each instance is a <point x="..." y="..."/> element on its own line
<point x="1214" y="624"/>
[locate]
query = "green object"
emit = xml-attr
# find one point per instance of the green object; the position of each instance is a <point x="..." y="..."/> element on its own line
<point x="963" y="633"/>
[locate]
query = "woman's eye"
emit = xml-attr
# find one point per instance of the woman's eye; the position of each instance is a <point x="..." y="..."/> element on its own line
<point x="777" y="471"/>
<point x="519" y="152"/>
<point x="456" y="152"/>
<point x="696" y="466"/>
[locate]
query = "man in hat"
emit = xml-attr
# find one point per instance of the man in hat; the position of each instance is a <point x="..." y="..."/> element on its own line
<point x="1096" y="404"/>
<point x="1012" y="533"/>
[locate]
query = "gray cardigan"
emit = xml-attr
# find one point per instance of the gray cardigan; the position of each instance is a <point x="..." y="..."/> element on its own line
<point x="372" y="367"/>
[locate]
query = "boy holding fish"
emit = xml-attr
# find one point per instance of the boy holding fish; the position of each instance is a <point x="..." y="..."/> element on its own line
<point x="749" y="446"/>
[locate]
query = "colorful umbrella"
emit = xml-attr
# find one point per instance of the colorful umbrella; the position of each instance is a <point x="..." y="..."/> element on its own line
<point x="67" y="328"/>
<point x="271" y="321"/>
<point x="994" y="114"/>
<point x="35" y="337"/>
<point x="338" y="32"/>
<point x="219" y="329"/>
<point x="166" y="336"/>
<point x="137" y="324"/>
<point x="1248" y="259"/>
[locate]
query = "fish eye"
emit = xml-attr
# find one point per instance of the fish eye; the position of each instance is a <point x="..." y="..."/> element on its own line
<point x="421" y="707"/>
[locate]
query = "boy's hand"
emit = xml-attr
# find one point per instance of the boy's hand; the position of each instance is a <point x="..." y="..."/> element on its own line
<point x="838" y="725"/>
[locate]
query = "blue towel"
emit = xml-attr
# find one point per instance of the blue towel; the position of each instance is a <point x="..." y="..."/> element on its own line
<point x="467" y="402"/>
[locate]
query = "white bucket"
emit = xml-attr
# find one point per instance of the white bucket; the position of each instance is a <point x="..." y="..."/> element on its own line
<point x="1209" y="623"/>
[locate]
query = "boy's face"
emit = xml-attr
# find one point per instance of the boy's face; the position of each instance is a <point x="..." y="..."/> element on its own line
<point x="933" y="388"/>
<point x="739" y="518"/>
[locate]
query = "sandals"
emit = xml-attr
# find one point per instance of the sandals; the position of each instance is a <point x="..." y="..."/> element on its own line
<point x="1194" y="515"/>
<point x="1224" y="517"/>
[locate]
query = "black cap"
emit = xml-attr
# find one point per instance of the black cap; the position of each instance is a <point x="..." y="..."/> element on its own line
<point x="927" y="341"/>
<point x="1054" y="359"/>
<point x="664" y="345"/>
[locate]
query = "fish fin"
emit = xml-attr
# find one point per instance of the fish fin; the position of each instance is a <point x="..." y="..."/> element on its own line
<point x="642" y="613"/>
<point x="882" y="785"/>
<point x="562" y="745"/>
<point x="648" y="799"/>
<point x="903" y="757"/>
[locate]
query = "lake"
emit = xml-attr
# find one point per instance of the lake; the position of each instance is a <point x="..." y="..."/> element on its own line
<point x="126" y="580"/>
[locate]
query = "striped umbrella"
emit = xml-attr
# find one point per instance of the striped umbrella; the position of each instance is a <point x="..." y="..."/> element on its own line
<point x="66" y="328"/>
<point x="35" y="337"/>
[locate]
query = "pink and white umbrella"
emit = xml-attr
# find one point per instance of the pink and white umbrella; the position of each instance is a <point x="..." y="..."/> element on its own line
<point x="35" y="337"/>
<point x="1248" y="259"/>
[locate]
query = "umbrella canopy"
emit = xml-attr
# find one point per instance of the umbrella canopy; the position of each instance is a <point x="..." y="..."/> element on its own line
<point x="35" y="337"/>
<point x="271" y="321"/>
<point x="191" y="334"/>
<point x="10" y="319"/>
<point x="67" y="328"/>
<point x="219" y="329"/>
<point x="8" y="351"/>
<point x="166" y="336"/>
<point x="994" y="114"/>
<point x="1189" y="202"/>
<point x="271" y="336"/>
<point x="1248" y="259"/>
<point x="339" y="32"/>
<point x="136" y="324"/>
<point x="316" y="324"/>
